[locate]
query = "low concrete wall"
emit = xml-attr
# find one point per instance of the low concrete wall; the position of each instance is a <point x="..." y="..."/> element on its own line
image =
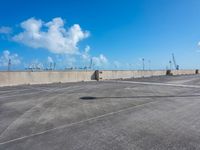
<point x="123" y="74"/>
<point x="20" y="78"/>
<point x="183" y="72"/>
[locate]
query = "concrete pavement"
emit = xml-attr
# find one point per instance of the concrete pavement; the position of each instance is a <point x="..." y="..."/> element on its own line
<point x="106" y="115"/>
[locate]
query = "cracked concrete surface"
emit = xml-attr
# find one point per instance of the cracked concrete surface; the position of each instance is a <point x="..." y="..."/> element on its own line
<point x="120" y="115"/>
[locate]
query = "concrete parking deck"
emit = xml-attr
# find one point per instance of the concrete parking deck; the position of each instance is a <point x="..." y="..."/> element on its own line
<point x="142" y="114"/>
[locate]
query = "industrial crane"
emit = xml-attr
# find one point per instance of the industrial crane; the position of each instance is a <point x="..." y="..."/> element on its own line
<point x="174" y="61"/>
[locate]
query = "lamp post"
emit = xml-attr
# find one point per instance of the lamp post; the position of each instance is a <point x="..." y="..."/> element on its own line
<point x="170" y="64"/>
<point x="143" y="65"/>
<point x="9" y="64"/>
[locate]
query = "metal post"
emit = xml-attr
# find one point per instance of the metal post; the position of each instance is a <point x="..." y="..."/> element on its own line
<point x="91" y="63"/>
<point x="143" y="64"/>
<point x="54" y="66"/>
<point x="9" y="64"/>
<point x="170" y="64"/>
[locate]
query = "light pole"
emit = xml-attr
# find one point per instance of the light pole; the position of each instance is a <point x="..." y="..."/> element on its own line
<point x="9" y="64"/>
<point x="91" y="63"/>
<point x="54" y="66"/>
<point x="170" y="64"/>
<point x="143" y="64"/>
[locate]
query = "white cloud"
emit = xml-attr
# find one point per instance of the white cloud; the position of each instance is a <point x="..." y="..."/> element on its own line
<point x="51" y="35"/>
<point x="4" y="59"/>
<point x="5" y="30"/>
<point x="58" y="39"/>
<point x="50" y="59"/>
<point x="100" y="61"/>
<point x="66" y="61"/>
<point x="35" y="64"/>
<point x="117" y="64"/>
<point x="71" y="62"/>
<point x="85" y="55"/>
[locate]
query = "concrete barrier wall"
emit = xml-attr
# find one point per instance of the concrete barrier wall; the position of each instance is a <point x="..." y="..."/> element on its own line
<point x="183" y="72"/>
<point x="19" y="78"/>
<point x="116" y="74"/>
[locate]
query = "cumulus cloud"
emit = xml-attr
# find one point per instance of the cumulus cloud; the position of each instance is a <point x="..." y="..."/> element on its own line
<point x="4" y="59"/>
<point x="85" y="55"/>
<point x="51" y="35"/>
<point x="50" y="59"/>
<point x="5" y="30"/>
<point x="35" y="64"/>
<point x="55" y="37"/>
<point x="117" y="64"/>
<point x="66" y="61"/>
<point x="100" y="61"/>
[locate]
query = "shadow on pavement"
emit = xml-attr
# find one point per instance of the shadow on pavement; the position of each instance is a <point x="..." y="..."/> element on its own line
<point x="155" y="96"/>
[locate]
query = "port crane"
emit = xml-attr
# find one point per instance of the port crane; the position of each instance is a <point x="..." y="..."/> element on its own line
<point x="174" y="61"/>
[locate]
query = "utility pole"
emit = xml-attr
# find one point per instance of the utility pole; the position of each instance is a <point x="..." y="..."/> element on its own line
<point x="54" y="66"/>
<point x="170" y="64"/>
<point x="9" y="64"/>
<point x="91" y="63"/>
<point x="50" y="66"/>
<point x="143" y="65"/>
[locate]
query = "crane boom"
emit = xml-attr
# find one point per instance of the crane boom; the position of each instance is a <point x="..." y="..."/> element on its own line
<point x="174" y="61"/>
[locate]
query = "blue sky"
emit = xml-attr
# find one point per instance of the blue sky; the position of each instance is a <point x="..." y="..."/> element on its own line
<point x="120" y="33"/>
